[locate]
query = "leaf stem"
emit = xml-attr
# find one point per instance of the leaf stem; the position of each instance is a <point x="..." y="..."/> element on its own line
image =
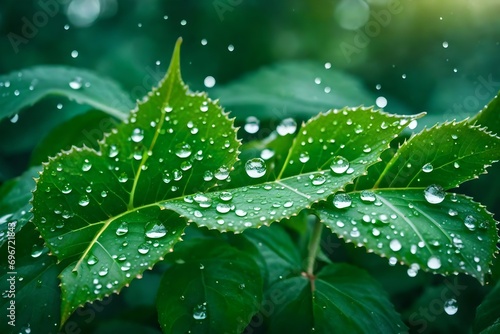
<point x="314" y="244"/>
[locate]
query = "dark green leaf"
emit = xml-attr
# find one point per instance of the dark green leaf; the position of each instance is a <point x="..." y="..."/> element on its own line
<point x="447" y="154"/>
<point x="24" y="88"/>
<point x="36" y="288"/>
<point x="211" y="288"/>
<point x="291" y="90"/>
<point x="456" y="235"/>
<point x="15" y="206"/>
<point x="340" y="299"/>
<point x="82" y="130"/>
<point x="488" y="313"/>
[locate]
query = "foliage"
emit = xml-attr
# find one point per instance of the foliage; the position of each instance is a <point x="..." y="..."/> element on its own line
<point x="252" y="215"/>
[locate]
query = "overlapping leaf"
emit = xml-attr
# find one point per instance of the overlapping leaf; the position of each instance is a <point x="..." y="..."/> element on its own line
<point x="30" y="280"/>
<point x="26" y="87"/>
<point x="456" y="235"/>
<point x="340" y="298"/>
<point x="100" y="209"/>
<point x="329" y="152"/>
<point x="447" y="154"/>
<point x="211" y="288"/>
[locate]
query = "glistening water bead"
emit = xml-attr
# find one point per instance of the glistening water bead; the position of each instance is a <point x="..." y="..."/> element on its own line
<point x="255" y="168"/>
<point x="434" y="194"/>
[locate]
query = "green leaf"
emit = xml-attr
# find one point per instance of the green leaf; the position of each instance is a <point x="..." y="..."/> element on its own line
<point x="15" y="196"/>
<point x="488" y="313"/>
<point x="24" y="88"/>
<point x="212" y="288"/>
<point x="447" y="154"/>
<point x="290" y="90"/>
<point x="282" y="257"/>
<point x="340" y="299"/>
<point x="456" y="235"/>
<point x="100" y="209"/>
<point x="35" y="275"/>
<point x="329" y="152"/>
<point x="489" y="116"/>
<point x="82" y="130"/>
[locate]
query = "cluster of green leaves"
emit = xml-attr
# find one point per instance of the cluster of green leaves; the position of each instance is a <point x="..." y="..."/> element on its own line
<point x="174" y="168"/>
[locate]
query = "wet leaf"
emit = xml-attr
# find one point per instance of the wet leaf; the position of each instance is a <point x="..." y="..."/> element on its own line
<point x="489" y="116"/>
<point x="488" y="313"/>
<point x="341" y="298"/>
<point x="35" y="275"/>
<point x="447" y="154"/>
<point x="293" y="89"/>
<point x="15" y="207"/>
<point x="101" y="208"/>
<point x="455" y="235"/>
<point x="328" y="153"/>
<point x="211" y="288"/>
<point x="24" y="88"/>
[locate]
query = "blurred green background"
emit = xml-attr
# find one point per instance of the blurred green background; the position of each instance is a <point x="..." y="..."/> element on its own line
<point x="405" y="56"/>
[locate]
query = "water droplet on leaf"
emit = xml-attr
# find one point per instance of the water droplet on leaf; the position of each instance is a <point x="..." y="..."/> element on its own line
<point x="434" y="263"/>
<point x="183" y="150"/>
<point x="122" y="229"/>
<point x="155" y="230"/>
<point x="342" y="201"/>
<point x="395" y="245"/>
<point x="200" y="312"/>
<point x="451" y="306"/>
<point x="339" y="165"/>
<point x="255" y="168"/>
<point x="427" y="168"/>
<point x="434" y="194"/>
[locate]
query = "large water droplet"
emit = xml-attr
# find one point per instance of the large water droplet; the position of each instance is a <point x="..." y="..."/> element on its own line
<point x="123" y="177"/>
<point x="287" y="126"/>
<point x="76" y="83"/>
<point x="92" y="260"/>
<point x="395" y="245"/>
<point x="155" y="230"/>
<point x="427" y="168"/>
<point x="84" y="200"/>
<point x="223" y="208"/>
<point x="143" y="248"/>
<point x="255" y="168"/>
<point x="304" y="157"/>
<point x="226" y="196"/>
<point x="339" y="165"/>
<point x="200" y="312"/>
<point x="202" y="200"/>
<point x="122" y="229"/>
<point x="37" y="250"/>
<point x="318" y="179"/>
<point x="434" y="194"/>
<point x="434" y="263"/>
<point x="470" y="222"/>
<point x="137" y="135"/>
<point x="367" y="196"/>
<point x="222" y="173"/>
<point x="252" y="125"/>
<point x="451" y="306"/>
<point x="183" y="150"/>
<point x="103" y="271"/>
<point x="86" y="165"/>
<point x="113" y="151"/>
<point x="342" y="201"/>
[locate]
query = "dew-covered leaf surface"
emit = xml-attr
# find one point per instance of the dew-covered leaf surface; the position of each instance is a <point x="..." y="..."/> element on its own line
<point x="31" y="282"/>
<point x="211" y="288"/>
<point x="487" y="319"/>
<point x="420" y="227"/>
<point x="15" y="207"/>
<point x="26" y="87"/>
<point x="447" y="154"/>
<point x="329" y="151"/>
<point x="100" y="209"/>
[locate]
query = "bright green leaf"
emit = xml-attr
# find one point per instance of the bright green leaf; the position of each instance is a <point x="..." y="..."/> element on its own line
<point x="447" y="154"/>
<point x="455" y="235"/>
<point x="340" y="299"/>
<point x="24" y="88"/>
<point x="489" y="116"/>
<point x="15" y="207"/>
<point x="211" y="288"/>
<point x="329" y="152"/>
<point x="36" y="287"/>
<point x="100" y="209"/>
